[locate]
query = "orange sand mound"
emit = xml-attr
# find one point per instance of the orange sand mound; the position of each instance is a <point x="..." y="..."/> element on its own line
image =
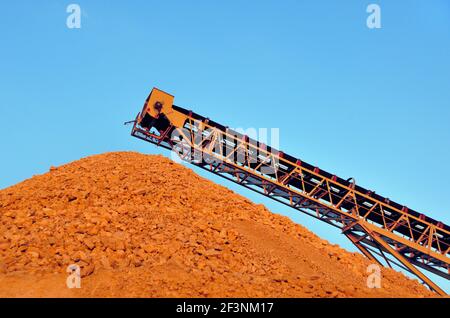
<point x="144" y="226"/>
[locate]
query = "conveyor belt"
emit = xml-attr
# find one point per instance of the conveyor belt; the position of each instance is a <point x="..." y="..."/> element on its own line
<point x="382" y="229"/>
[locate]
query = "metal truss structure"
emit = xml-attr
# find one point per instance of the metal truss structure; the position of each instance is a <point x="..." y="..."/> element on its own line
<point x="382" y="230"/>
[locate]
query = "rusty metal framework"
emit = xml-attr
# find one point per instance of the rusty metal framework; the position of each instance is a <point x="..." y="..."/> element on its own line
<point x="382" y="230"/>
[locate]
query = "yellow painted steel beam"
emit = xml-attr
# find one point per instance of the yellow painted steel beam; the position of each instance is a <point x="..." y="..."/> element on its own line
<point x="404" y="261"/>
<point x="362" y="249"/>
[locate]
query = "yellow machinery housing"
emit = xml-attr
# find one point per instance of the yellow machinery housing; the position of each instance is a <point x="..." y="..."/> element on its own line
<point x="158" y="112"/>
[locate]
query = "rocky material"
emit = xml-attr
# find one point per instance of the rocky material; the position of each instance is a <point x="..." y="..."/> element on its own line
<point x="141" y="225"/>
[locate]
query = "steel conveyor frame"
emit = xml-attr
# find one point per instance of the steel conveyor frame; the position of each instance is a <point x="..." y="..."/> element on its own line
<point x="374" y="224"/>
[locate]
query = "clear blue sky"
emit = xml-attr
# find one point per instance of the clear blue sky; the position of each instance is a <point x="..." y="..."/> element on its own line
<point x="373" y="104"/>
